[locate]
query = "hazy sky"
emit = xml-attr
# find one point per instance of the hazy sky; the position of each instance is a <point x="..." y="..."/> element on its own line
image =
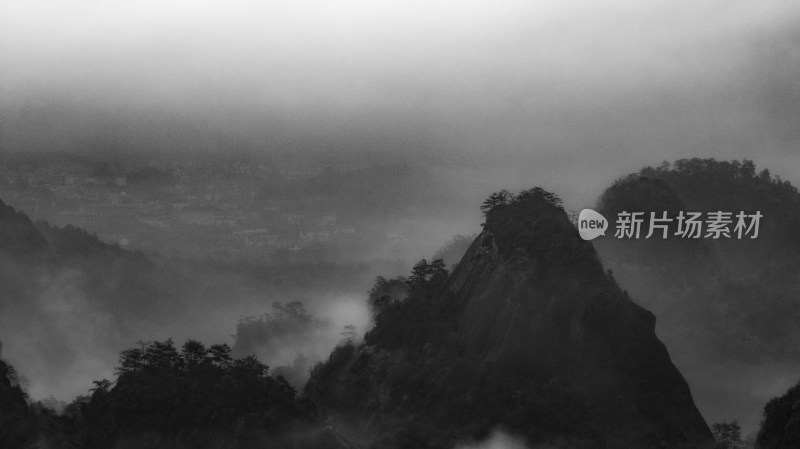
<point x="560" y="90"/>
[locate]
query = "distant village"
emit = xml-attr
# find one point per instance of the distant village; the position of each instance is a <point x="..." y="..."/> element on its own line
<point x="180" y="208"/>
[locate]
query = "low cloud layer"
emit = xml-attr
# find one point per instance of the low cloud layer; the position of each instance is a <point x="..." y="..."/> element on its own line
<point x="583" y="89"/>
<point x="497" y="440"/>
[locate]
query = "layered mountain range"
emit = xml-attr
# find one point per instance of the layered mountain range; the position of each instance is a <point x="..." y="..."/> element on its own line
<point x="532" y="334"/>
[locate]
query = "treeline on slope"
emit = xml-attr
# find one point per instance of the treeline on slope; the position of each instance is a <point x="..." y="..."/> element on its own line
<point x="402" y="308"/>
<point x="166" y="397"/>
<point x="289" y="333"/>
<point x="707" y="185"/>
<point x="22" y="424"/>
<point x="67" y="295"/>
<point x="726" y="308"/>
<point x="780" y="427"/>
<point x="534" y="221"/>
<point x="111" y="278"/>
<point x="747" y="285"/>
<point x="432" y="377"/>
<point x="434" y="394"/>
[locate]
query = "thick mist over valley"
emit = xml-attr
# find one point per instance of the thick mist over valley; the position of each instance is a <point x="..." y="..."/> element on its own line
<point x="351" y="223"/>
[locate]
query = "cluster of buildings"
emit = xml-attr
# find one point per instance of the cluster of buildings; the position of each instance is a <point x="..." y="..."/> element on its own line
<point x="207" y="210"/>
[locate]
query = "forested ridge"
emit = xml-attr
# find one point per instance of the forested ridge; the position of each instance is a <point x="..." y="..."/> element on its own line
<point x="457" y="350"/>
<point x="727" y="309"/>
<point x="529" y="334"/>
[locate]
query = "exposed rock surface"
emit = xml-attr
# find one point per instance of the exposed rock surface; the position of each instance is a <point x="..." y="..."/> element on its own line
<point x="528" y="334"/>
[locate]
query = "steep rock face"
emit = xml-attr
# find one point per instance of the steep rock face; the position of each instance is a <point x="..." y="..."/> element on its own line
<point x="537" y="300"/>
<point x="528" y="334"/>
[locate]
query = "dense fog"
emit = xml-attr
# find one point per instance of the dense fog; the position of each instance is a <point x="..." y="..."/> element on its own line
<point x="245" y="170"/>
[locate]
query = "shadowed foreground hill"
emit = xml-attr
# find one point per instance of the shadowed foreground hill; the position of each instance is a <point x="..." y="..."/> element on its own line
<point x="528" y="334"/>
<point x="194" y="397"/>
<point x="780" y="428"/>
<point x="16" y="426"/>
<point x="23" y="425"/>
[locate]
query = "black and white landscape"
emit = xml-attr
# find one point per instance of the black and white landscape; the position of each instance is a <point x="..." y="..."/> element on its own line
<point x="352" y="224"/>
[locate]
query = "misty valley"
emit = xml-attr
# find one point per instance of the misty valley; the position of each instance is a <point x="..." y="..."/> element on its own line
<point x="223" y="301"/>
<point x="392" y="224"/>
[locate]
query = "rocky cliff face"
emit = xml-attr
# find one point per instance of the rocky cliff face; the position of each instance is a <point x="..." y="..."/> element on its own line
<point x="537" y="300"/>
<point x="528" y="334"/>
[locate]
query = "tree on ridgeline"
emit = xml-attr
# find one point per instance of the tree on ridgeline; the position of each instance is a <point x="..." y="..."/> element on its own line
<point x="496" y="199"/>
<point x="539" y="195"/>
<point x="425" y="275"/>
<point x="194" y="353"/>
<point x="386" y="292"/>
<point x="270" y="334"/>
<point x="728" y="435"/>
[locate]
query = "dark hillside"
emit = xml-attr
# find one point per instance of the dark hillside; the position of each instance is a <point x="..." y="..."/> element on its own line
<point x="528" y="334"/>
<point x="728" y="308"/>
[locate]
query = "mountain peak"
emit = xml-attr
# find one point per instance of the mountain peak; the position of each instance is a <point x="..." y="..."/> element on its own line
<point x="528" y="333"/>
<point x="534" y="225"/>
